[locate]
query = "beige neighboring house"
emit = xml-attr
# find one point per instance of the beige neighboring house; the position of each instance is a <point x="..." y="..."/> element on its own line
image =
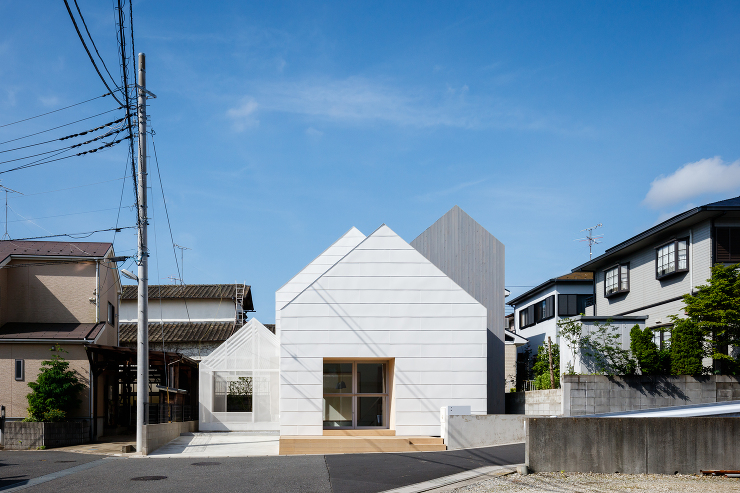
<point x="512" y="343"/>
<point x="194" y="318"/>
<point x="64" y="293"/>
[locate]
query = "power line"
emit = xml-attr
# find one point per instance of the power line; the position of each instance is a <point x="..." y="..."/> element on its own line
<point x="107" y="134"/>
<point x="40" y="162"/>
<point x="60" y="126"/>
<point x="66" y="137"/>
<point x="72" y="188"/>
<point x="50" y="112"/>
<point x="61" y="215"/>
<point x="82" y="18"/>
<point x="75" y="236"/>
<point x="92" y="60"/>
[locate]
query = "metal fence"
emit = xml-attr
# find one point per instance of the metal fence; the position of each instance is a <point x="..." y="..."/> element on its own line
<point x="170" y="413"/>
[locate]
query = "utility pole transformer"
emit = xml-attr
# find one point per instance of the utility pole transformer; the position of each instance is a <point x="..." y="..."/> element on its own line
<point x="142" y="335"/>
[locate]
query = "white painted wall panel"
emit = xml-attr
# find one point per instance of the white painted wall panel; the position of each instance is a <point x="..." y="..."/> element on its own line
<point x="409" y="312"/>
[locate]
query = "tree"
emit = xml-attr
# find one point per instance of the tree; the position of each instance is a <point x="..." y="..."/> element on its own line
<point x="715" y="311"/>
<point x="650" y="359"/>
<point x="687" y="347"/>
<point x="599" y="349"/>
<point x="541" y="367"/>
<point x="54" y="394"/>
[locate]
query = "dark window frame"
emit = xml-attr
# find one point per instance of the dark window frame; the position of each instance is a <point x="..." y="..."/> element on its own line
<point x="675" y="257"/>
<point x="534" y="312"/>
<point x="22" y="375"/>
<point x="619" y="290"/>
<point x="580" y="299"/>
<point x="731" y="255"/>
<point x="111" y="314"/>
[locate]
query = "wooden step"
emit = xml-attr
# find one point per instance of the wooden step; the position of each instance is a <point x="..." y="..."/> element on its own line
<point x="299" y="445"/>
<point x="359" y="433"/>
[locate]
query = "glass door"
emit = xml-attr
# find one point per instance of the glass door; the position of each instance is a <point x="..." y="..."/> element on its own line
<point x="355" y="395"/>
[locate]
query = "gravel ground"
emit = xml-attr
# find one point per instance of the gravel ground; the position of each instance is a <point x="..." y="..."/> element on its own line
<point x="584" y="482"/>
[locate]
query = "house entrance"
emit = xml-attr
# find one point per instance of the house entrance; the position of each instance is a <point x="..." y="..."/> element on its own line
<point x="355" y="395"/>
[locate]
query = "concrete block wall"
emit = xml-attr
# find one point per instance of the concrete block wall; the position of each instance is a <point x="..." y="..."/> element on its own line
<point x="19" y="435"/>
<point x="535" y="402"/>
<point x="156" y="436"/>
<point x="483" y="430"/>
<point x="632" y="445"/>
<point x="596" y="394"/>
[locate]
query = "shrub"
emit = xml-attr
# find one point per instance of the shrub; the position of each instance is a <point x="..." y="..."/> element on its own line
<point x="687" y="348"/>
<point x="650" y="359"/>
<point x="541" y="367"/>
<point x="55" y="392"/>
<point x="599" y="350"/>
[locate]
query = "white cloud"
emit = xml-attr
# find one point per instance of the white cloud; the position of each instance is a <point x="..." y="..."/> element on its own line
<point x="312" y="132"/>
<point x="243" y="115"/>
<point x="691" y="180"/>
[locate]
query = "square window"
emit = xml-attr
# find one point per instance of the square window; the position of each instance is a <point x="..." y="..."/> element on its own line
<point x="671" y="258"/>
<point x="616" y="280"/>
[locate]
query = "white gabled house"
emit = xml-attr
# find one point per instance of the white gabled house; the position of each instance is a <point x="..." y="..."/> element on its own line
<point x="375" y="336"/>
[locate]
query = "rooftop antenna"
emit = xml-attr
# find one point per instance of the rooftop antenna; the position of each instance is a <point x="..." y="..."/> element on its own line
<point x="6" y="236"/>
<point x="591" y="239"/>
<point x="174" y="279"/>
<point x="182" y="260"/>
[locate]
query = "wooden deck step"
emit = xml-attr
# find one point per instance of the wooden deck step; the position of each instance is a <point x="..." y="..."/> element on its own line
<point x="359" y="433"/>
<point x="299" y="445"/>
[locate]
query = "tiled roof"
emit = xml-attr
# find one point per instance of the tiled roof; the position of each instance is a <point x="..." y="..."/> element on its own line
<point x="180" y="331"/>
<point x="50" y="331"/>
<point x="191" y="291"/>
<point x="53" y="248"/>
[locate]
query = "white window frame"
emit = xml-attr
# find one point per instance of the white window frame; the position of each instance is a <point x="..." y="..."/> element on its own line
<point x="671" y="258"/>
<point x="622" y="277"/>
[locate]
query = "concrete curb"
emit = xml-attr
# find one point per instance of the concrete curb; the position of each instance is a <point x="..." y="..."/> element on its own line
<point x="448" y="483"/>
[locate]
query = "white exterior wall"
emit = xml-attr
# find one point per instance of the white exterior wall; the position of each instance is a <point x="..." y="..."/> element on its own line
<point x="175" y="310"/>
<point x="646" y="290"/>
<point x="538" y="333"/>
<point x="384" y="300"/>
<point x="314" y="270"/>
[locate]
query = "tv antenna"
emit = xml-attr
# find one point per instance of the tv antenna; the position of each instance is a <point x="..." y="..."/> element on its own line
<point x="591" y="239"/>
<point x="182" y="260"/>
<point x="6" y="236"/>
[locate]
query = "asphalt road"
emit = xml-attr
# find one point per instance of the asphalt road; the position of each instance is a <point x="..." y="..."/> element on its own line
<point x="356" y="473"/>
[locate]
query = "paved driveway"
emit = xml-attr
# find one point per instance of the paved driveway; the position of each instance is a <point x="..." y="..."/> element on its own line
<point x="232" y="444"/>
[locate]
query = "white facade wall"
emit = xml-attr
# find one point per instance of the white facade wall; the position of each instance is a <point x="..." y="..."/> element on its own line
<point x="384" y="300"/>
<point x="174" y="310"/>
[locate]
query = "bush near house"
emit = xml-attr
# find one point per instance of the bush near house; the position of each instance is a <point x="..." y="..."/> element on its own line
<point x="541" y="367"/>
<point x="54" y="394"/>
<point x="600" y="350"/>
<point x="650" y="359"/>
<point x="687" y="348"/>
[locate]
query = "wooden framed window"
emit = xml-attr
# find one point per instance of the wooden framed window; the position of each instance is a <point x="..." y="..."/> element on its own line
<point x="727" y="245"/>
<point x="672" y="258"/>
<point x="617" y="280"/>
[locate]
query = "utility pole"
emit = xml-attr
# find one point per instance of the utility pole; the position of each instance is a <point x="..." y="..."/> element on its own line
<point x="142" y="342"/>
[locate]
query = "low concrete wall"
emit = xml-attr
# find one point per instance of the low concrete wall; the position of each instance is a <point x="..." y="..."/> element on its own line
<point x="156" y="436"/>
<point x="535" y="402"/>
<point x="632" y="445"/>
<point x="484" y="430"/>
<point x="19" y="435"/>
<point x="596" y="394"/>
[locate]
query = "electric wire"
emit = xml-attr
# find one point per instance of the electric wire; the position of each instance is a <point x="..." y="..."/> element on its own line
<point x="66" y="137"/>
<point x="82" y="18"/>
<point x="74" y="236"/>
<point x="60" y="215"/>
<point x="107" y="134"/>
<point x="92" y="60"/>
<point x="71" y="188"/>
<point x="39" y="163"/>
<point x="50" y="112"/>
<point x="60" y="126"/>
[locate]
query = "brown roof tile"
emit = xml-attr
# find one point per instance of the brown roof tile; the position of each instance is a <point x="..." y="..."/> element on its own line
<point x="50" y="331"/>
<point x="53" y="248"/>
<point x="191" y="291"/>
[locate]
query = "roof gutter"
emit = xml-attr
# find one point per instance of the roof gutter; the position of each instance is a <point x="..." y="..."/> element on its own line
<point x="46" y="341"/>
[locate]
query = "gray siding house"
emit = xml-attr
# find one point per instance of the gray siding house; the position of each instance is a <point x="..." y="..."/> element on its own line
<point x="643" y="279"/>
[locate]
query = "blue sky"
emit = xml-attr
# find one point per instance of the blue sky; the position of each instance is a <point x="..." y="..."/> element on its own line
<point x="281" y="125"/>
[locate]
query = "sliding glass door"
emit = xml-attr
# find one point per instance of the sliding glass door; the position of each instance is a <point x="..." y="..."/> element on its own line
<point x="355" y="395"/>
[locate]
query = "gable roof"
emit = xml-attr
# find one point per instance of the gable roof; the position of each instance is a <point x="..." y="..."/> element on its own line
<point x="574" y="277"/>
<point x="190" y="291"/>
<point x="13" y="248"/>
<point x="384" y="238"/>
<point x="664" y="229"/>
<point x="318" y="266"/>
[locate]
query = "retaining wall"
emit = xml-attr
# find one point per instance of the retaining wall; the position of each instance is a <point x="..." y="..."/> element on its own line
<point x="535" y="402"/>
<point x="632" y="445"/>
<point x="484" y="430"/>
<point x="19" y="435"/>
<point x="596" y="394"/>
<point x="156" y="436"/>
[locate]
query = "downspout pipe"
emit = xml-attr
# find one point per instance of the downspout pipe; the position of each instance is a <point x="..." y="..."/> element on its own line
<point x="97" y="291"/>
